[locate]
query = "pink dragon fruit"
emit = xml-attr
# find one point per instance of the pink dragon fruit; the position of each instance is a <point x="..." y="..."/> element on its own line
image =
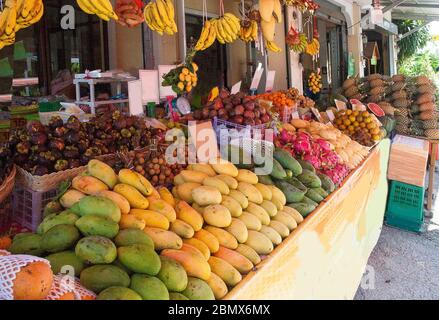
<point x="302" y="146"/>
<point x="324" y="145"/>
<point x="314" y="160"/>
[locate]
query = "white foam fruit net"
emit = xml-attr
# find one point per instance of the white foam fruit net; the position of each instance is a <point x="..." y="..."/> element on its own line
<point x="82" y="293"/>
<point x="10" y="265"/>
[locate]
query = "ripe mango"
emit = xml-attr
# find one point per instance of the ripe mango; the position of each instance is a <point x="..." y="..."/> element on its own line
<point x="128" y="237"/>
<point x="119" y="200"/>
<point x="189" y="215"/>
<point x="222" y="166"/>
<point x="71" y="197"/>
<point x="183" y="229"/>
<point x="162" y="207"/>
<point x="200" y="245"/>
<point x="96" y="250"/>
<point x="97" y="206"/>
<point x="88" y="185"/>
<point x="198" y="289"/>
<point x="128" y="221"/>
<point x="269" y="207"/>
<point x="198" y="208"/>
<point x="217" y="216"/>
<point x="230" y="181"/>
<point x="278" y="204"/>
<point x="271" y="234"/>
<point x="286" y="219"/>
<point x="250" y="221"/>
<point x="240" y="197"/>
<point x="202" y="167"/>
<point x="134" y="197"/>
<point x="248" y="176"/>
<point x="118" y="293"/>
<point x="209" y="240"/>
<point x="103" y="172"/>
<point x="233" y="206"/>
<point x="265" y="191"/>
<point x="225" y="271"/>
<point x="224" y="238"/>
<point x="184" y="191"/>
<point x="249" y="253"/>
<point x="140" y="258"/>
<point x="238" y="229"/>
<point x="59" y="238"/>
<point x="194" y="265"/>
<point x="191" y="249"/>
<point x="151" y="218"/>
<point x="205" y="195"/>
<point x="259" y="242"/>
<point x="163" y="239"/>
<point x="251" y="192"/>
<point x="193" y="176"/>
<point x="65" y="258"/>
<point x="177" y="296"/>
<point x="294" y="213"/>
<point x="172" y="274"/>
<point x="136" y="180"/>
<point x="149" y="288"/>
<point x="217" y="184"/>
<point x="100" y="277"/>
<point x="237" y="260"/>
<point x="280" y="228"/>
<point x="277" y="195"/>
<point x="167" y="196"/>
<point x="259" y="212"/>
<point x="93" y="225"/>
<point x="178" y="180"/>
<point x="65" y="217"/>
<point x="27" y="243"/>
<point x="218" y="286"/>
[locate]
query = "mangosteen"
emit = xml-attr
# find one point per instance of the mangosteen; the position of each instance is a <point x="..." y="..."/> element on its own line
<point x="40" y="170"/>
<point x="84" y="159"/>
<point x="238" y="119"/>
<point x="20" y="159"/>
<point x="23" y="147"/>
<point x="213" y="114"/>
<point x="205" y="112"/>
<point x="39" y="138"/>
<point x="35" y="126"/>
<point x="130" y="121"/>
<point x="73" y="123"/>
<point x="250" y="106"/>
<point x="116" y="115"/>
<point x="71" y="137"/>
<point x="249" y="114"/>
<point x="222" y="113"/>
<point x="57" y="144"/>
<point x="239" y="110"/>
<point x="197" y="114"/>
<point x="59" y="132"/>
<point x="39" y="148"/>
<point x="249" y="122"/>
<point x="224" y="93"/>
<point x="83" y="145"/>
<point x="55" y="122"/>
<point x="57" y="154"/>
<point x="236" y="101"/>
<point x="120" y="124"/>
<point x="74" y="163"/>
<point x="125" y="133"/>
<point x="71" y="152"/>
<point x="61" y="165"/>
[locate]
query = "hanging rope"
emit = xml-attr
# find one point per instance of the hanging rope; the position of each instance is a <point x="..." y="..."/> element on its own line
<point x="221" y="8"/>
<point x="1" y="5"/>
<point x="204" y="12"/>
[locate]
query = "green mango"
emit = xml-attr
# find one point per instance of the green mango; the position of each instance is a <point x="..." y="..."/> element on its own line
<point x="172" y="274"/>
<point x="100" y="277"/>
<point x="287" y="161"/>
<point x="27" y="243"/>
<point x="52" y="220"/>
<point x="140" y="258"/>
<point x="60" y="238"/>
<point x="129" y="237"/>
<point x="96" y="250"/>
<point x="198" y="289"/>
<point x="310" y="179"/>
<point x="149" y="288"/>
<point x="118" y="293"/>
<point x="99" y="206"/>
<point x="65" y="258"/>
<point x="92" y="225"/>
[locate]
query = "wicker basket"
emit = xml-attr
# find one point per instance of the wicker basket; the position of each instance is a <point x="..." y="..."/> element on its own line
<point x="8" y="185"/>
<point x="50" y="181"/>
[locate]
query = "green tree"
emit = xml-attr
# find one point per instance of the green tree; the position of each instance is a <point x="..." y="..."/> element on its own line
<point x="412" y="43"/>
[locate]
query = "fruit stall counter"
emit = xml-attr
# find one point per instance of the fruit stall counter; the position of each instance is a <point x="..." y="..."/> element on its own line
<point x="326" y="257"/>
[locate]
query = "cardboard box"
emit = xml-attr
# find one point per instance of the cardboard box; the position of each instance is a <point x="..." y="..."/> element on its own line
<point x="408" y="160"/>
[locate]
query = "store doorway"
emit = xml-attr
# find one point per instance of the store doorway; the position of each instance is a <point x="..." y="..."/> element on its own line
<point x="212" y="62"/>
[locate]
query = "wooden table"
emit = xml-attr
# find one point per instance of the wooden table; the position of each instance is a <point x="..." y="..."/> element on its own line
<point x="326" y="256"/>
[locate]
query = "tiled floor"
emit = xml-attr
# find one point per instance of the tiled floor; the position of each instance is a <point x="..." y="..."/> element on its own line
<point x="406" y="265"/>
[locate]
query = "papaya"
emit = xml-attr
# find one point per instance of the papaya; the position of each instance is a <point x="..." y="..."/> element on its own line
<point x="218" y="286"/>
<point x="88" y="184"/>
<point x="278" y="172"/>
<point x="60" y="238"/>
<point x="97" y="206"/>
<point x="172" y="274"/>
<point x="103" y="172"/>
<point x="303" y="208"/>
<point x="309" y="201"/>
<point x="139" y="258"/>
<point x="182" y="229"/>
<point x="128" y="237"/>
<point x="177" y="296"/>
<point x="71" y="197"/>
<point x="194" y="264"/>
<point x="233" y="206"/>
<point x="65" y="217"/>
<point x="296" y="183"/>
<point x="65" y="258"/>
<point x="96" y="250"/>
<point x="118" y="199"/>
<point x="259" y="242"/>
<point x="100" y="277"/>
<point x="225" y="271"/>
<point x="314" y="195"/>
<point x="198" y="289"/>
<point x="249" y="253"/>
<point x="287" y="161"/>
<point x="92" y="225"/>
<point x="309" y="179"/>
<point x="327" y="183"/>
<point x="27" y="243"/>
<point x="118" y="293"/>
<point x="136" y="180"/>
<point x="292" y="194"/>
<point x="135" y="198"/>
<point x="306" y="165"/>
<point x="264" y="179"/>
<point x="163" y="239"/>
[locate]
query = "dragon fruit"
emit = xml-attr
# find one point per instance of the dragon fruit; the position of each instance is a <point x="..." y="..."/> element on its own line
<point x="314" y="160"/>
<point x="337" y="174"/>
<point x="324" y="145"/>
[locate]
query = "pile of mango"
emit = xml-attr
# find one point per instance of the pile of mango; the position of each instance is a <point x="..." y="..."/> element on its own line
<point x="126" y="240"/>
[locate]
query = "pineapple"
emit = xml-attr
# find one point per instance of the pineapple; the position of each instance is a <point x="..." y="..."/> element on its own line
<point x="402" y="112"/>
<point x="430" y="124"/>
<point x="374" y="99"/>
<point x="349" y="83"/>
<point x="352" y="91"/>
<point x="422" y="80"/>
<point x="432" y="133"/>
<point x="414" y="109"/>
<point x="402" y="94"/>
<point x="416" y="131"/>
<point x="424" y="98"/>
<point x="426" y="89"/>
<point x="358" y="96"/>
<point x="403" y="121"/>
<point x="402" y="129"/>
<point x="377" y="83"/>
<point x="427" y="115"/>
<point x="374" y="76"/>
<point x="398" y="78"/>
<point x="387" y="108"/>
<point x="401" y="103"/>
<point x="397" y="86"/>
<point x="377" y="91"/>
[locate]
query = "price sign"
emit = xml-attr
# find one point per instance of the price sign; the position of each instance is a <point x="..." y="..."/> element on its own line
<point x="236" y="88"/>
<point x="317" y="114"/>
<point x="331" y="115"/>
<point x="270" y="81"/>
<point x="257" y="78"/>
<point x="340" y="105"/>
<point x="295" y="115"/>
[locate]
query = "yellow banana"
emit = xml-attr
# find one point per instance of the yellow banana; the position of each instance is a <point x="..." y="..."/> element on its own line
<point x="204" y="34"/>
<point x="3" y="20"/>
<point x="210" y="39"/>
<point x="227" y="30"/>
<point x="171" y="9"/>
<point x="27" y="7"/>
<point x="156" y="16"/>
<point x="19" y="4"/>
<point x="218" y="35"/>
<point x="161" y="7"/>
<point x="232" y="25"/>
<point x="106" y="4"/>
<point x="103" y="16"/>
<point x="12" y="20"/>
<point x="255" y="30"/>
<point x="84" y="6"/>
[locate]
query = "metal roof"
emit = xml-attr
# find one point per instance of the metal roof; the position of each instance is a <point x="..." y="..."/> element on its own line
<point x="414" y="9"/>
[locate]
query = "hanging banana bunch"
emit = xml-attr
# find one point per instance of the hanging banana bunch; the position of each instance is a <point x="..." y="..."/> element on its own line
<point x="271" y="13"/>
<point x="249" y="31"/>
<point x="102" y="8"/>
<point x="228" y="28"/>
<point x="29" y="12"/>
<point x="313" y="47"/>
<point x="8" y="21"/>
<point x="160" y="17"/>
<point x="208" y="36"/>
<point x="272" y="46"/>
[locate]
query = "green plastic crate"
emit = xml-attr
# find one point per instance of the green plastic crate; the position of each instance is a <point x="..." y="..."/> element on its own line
<point x="405" y="206"/>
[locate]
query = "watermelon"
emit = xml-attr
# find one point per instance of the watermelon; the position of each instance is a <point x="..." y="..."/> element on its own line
<point x="376" y="109"/>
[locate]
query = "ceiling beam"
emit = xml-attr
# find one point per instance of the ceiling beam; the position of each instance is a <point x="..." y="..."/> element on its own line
<point x="389" y="7"/>
<point x="414" y="16"/>
<point x="420" y="5"/>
